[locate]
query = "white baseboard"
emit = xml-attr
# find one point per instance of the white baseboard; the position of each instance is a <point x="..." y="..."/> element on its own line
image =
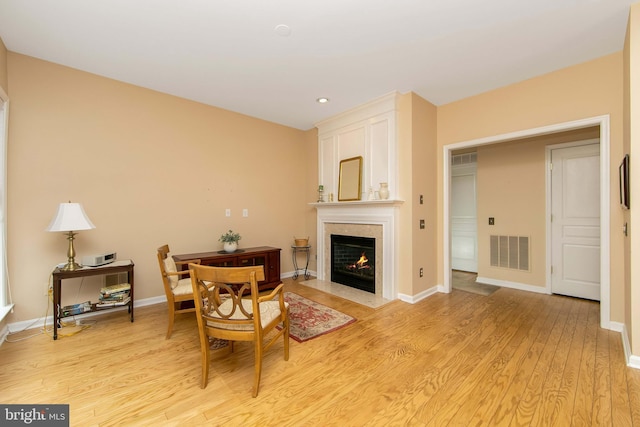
<point x="412" y="299"/>
<point x="48" y="321"/>
<point x="632" y="361"/>
<point x="3" y="333"/>
<point x="512" y="285"/>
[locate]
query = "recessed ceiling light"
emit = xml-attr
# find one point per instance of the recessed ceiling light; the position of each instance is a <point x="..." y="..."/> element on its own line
<point x="283" y="30"/>
<point x="322" y="100"/>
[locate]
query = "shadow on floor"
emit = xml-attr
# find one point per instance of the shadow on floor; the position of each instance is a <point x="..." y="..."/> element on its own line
<point x="466" y="281"/>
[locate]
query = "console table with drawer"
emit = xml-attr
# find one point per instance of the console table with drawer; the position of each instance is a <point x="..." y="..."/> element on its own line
<point x="263" y="255"/>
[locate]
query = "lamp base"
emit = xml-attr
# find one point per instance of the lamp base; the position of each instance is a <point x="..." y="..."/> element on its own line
<point x="71" y="266"/>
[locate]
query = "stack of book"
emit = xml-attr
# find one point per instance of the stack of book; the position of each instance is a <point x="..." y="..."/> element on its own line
<point x="114" y="295"/>
<point x="70" y="310"/>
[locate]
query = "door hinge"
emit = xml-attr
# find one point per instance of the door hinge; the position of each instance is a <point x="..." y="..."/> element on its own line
<point x="552" y="269"/>
<point x="550" y="166"/>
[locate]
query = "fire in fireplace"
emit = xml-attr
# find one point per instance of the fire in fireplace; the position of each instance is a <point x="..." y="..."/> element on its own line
<point x="353" y="261"/>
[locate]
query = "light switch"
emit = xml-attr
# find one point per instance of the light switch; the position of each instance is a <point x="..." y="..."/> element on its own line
<point x="227" y="212"/>
<point x="492" y="220"/>
<point x="245" y="212"/>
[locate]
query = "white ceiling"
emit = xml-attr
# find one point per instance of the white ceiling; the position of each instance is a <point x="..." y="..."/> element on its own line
<point x="227" y="53"/>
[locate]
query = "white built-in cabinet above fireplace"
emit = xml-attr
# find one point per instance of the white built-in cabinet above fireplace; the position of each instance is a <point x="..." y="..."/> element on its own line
<point x="369" y="131"/>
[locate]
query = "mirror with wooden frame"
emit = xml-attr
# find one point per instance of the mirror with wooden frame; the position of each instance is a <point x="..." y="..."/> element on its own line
<point x="350" y="179"/>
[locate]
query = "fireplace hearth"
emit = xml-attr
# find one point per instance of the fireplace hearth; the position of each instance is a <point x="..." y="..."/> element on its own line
<point x="353" y="261"/>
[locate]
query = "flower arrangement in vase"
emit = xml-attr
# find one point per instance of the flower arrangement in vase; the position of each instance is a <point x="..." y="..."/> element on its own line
<point x="230" y="240"/>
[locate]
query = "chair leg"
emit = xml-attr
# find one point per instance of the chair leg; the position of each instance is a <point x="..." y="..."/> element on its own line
<point x="204" y="350"/>
<point x="258" y="368"/>
<point x="285" y="334"/>
<point x="172" y="317"/>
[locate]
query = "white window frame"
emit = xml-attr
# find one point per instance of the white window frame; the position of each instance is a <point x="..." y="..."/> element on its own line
<point x="5" y="296"/>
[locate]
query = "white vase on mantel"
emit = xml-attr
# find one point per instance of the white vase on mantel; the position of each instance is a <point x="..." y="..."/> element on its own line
<point x="384" y="191"/>
<point x="230" y="247"/>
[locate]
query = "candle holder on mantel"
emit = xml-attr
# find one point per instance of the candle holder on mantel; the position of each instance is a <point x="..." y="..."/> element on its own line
<point x="320" y="193"/>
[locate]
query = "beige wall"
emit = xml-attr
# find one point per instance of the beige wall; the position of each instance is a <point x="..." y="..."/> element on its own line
<point x="424" y="180"/>
<point x="511" y="179"/>
<point x="149" y="169"/>
<point x="417" y="157"/>
<point x="586" y="90"/>
<point x="632" y="146"/>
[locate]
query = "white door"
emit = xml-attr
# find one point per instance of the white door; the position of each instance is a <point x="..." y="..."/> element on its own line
<point x="464" y="222"/>
<point x="575" y="221"/>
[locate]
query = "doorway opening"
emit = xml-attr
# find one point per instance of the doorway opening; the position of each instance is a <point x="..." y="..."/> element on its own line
<point x="602" y="123"/>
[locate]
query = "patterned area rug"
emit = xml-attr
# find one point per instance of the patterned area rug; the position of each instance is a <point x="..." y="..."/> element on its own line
<point x="309" y="319"/>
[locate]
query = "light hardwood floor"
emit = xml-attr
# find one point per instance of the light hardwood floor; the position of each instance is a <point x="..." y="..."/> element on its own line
<point x="512" y="358"/>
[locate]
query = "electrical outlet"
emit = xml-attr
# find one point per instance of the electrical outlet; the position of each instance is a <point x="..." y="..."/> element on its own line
<point x="227" y="212"/>
<point x="421" y="271"/>
<point x="245" y="212"/>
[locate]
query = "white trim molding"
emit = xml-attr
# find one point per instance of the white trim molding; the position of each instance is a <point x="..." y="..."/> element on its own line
<point x="632" y="361"/>
<point x="512" y="285"/>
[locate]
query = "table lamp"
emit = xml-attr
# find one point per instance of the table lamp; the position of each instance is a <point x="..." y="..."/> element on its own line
<point x="69" y="218"/>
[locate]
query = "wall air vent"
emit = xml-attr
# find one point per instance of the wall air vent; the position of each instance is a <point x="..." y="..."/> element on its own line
<point x="509" y="252"/>
<point x="464" y="159"/>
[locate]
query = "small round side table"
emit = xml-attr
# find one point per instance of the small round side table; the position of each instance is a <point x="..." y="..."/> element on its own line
<point x="301" y="249"/>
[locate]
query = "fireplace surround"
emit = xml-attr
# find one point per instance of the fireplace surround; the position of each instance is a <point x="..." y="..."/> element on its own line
<point x="377" y="219"/>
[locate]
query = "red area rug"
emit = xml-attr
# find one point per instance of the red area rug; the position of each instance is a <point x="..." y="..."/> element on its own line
<point x="309" y="319"/>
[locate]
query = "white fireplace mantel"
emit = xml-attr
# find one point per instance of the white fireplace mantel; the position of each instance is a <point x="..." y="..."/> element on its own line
<point x="374" y="212"/>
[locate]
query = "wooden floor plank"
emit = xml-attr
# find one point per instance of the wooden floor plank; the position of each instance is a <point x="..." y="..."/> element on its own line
<point x="550" y="391"/>
<point x="525" y="366"/>
<point x="462" y="358"/>
<point x="583" y="401"/>
<point x="492" y="389"/>
<point x="562" y="411"/>
<point x="601" y="411"/>
<point x="620" y="401"/>
<point x="633" y="385"/>
<point x="428" y="390"/>
<point x="470" y="390"/>
<point x="531" y="401"/>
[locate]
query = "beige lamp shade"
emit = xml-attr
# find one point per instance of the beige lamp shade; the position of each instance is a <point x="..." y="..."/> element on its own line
<point x="70" y="217"/>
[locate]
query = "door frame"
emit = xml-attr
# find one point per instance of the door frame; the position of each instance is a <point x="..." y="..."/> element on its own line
<point x="605" y="203"/>
<point x="548" y="150"/>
